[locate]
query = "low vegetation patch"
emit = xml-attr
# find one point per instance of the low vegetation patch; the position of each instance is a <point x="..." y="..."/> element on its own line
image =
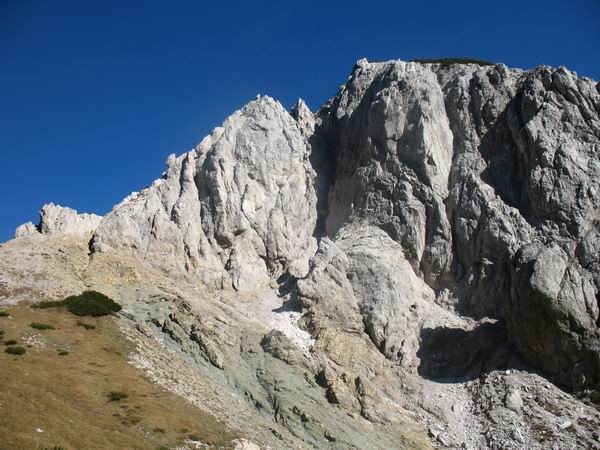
<point x="92" y="303"/>
<point x="10" y="342"/>
<point x="63" y="352"/>
<point x="450" y="61"/>
<point x="15" y="350"/>
<point x="48" y="304"/>
<point x="87" y="326"/>
<point x="41" y="326"/>
<point x="88" y="303"/>
<point x="4" y="313"/>
<point x="115" y="396"/>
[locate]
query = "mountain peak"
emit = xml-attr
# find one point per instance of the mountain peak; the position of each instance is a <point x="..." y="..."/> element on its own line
<point x="428" y="237"/>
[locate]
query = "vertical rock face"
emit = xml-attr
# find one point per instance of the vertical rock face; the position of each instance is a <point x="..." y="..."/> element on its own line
<point x="393" y="149"/>
<point x="240" y="209"/>
<point x="488" y="179"/>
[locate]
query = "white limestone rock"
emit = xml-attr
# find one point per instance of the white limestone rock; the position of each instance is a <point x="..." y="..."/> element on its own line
<point x="361" y="281"/>
<point x="465" y="166"/>
<point x="240" y="209"/>
<point x="56" y="219"/>
<point x="26" y="229"/>
<point x="462" y="167"/>
<point x="60" y="219"/>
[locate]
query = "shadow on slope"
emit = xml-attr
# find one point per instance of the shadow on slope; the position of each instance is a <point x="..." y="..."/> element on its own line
<point x="453" y="354"/>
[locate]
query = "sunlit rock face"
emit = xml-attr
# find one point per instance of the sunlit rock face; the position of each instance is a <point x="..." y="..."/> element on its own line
<point x="59" y="219"/>
<point x="240" y="209"/>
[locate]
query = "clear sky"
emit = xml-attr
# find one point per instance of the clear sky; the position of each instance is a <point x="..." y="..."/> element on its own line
<point x="95" y="94"/>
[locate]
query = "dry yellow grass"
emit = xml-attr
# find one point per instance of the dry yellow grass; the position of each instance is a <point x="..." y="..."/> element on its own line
<point x="67" y="397"/>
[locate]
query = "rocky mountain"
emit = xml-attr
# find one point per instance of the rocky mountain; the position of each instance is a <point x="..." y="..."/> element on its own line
<point x="414" y="265"/>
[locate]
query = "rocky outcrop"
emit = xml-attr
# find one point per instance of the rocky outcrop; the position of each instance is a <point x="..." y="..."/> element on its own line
<point x="59" y="219"/>
<point x="26" y="229"/>
<point x="240" y="209"/>
<point x="362" y="282"/>
<point x="554" y="314"/>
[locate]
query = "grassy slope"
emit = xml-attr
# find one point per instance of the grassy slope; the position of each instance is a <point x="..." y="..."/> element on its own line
<point x="67" y="396"/>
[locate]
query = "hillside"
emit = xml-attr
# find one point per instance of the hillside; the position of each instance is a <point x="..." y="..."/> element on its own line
<point x="64" y="390"/>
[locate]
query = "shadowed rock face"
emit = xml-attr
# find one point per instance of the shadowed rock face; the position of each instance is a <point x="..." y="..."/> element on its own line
<point x="426" y="222"/>
<point x="450" y="354"/>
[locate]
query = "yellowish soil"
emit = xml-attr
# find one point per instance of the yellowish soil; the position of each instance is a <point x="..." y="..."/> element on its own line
<point x="49" y="400"/>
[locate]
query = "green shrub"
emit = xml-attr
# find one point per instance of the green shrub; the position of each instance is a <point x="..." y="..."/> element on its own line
<point x="10" y="342"/>
<point x="63" y="352"/>
<point x="4" y="313"/>
<point x="56" y="447"/>
<point x="48" y="304"/>
<point x="88" y="303"/>
<point x="92" y="303"/>
<point x="41" y="326"/>
<point x="450" y="61"/>
<point x="115" y="396"/>
<point x="87" y="326"/>
<point x="15" y="350"/>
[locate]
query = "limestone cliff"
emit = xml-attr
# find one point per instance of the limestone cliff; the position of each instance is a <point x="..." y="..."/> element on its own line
<point x="433" y="229"/>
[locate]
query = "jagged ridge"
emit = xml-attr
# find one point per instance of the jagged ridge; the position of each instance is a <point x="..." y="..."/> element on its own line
<point x="486" y="177"/>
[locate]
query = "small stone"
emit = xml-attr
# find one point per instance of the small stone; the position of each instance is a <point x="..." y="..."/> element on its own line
<point x="39" y="430"/>
<point x="566" y="424"/>
<point x="513" y="400"/>
<point x="243" y="444"/>
<point x="445" y="439"/>
<point x="434" y="432"/>
<point x="329" y="436"/>
<point x="517" y="435"/>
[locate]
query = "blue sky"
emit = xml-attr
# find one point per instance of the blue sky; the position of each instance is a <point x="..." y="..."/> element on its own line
<point x="95" y="94"/>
